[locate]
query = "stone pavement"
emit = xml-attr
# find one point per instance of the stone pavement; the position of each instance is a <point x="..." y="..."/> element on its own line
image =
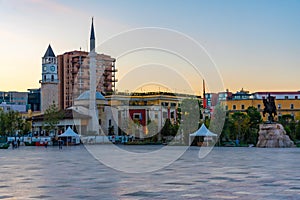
<point x="226" y="173"/>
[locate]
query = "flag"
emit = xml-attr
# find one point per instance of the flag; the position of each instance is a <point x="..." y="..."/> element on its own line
<point x="204" y="98"/>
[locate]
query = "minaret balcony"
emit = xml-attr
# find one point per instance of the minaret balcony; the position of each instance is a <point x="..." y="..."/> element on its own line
<point x="48" y="81"/>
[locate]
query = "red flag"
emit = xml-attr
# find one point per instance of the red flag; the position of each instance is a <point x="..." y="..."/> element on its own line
<point x="204" y="98"/>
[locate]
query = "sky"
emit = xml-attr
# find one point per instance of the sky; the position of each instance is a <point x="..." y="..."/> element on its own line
<point x="249" y="44"/>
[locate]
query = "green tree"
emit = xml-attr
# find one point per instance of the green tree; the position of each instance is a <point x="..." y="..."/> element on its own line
<point x="254" y="120"/>
<point x="285" y="119"/>
<point x="52" y="117"/>
<point x="152" y="128"/>
<point x="14" y="122"/>
<point x="167" y="128"/>
<point x="11" y="122"/>
<point x="216" y="124"/>
<point x="26" y="127"/>
<point x="289" y="125"/>
<point x="190" y="117"/>
<point x="3" y="123"/>
<point x="255" y="117"/>
<point x="225" y="135"/>
<point x="240" y="122"/>
<point x="175" y="128"/>
<point x="298" y="130"/>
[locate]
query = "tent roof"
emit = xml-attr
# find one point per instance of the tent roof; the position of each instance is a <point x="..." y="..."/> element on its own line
<point x="203" y="131"/>
<point x="69" y="133"/>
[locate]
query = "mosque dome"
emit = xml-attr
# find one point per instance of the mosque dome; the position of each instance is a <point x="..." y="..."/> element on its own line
<point x="86" y="96"/>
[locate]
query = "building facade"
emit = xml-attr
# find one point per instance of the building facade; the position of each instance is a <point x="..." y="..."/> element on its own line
<point x="12" y="97"/>
<point x="6" y="107"/>
<point x="144" y="108"/>
<point x="14" y="101"/>
<point x="287" y="103"/>
<point x="34" y="99"/>
<point x="73" y="75"/>
<point x="135" y="114"/>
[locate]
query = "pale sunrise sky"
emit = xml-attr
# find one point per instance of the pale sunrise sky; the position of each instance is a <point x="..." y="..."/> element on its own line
<point x="255" y="44"/>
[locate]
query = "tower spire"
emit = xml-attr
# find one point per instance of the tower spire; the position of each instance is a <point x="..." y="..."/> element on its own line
<point x="49" y="52"/>
<point x="92" y="37"/>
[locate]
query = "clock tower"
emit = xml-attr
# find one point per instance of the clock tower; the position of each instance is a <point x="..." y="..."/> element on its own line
<point x="49" y="82"/>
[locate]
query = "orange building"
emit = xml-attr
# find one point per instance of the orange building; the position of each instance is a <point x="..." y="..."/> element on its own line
<point x="73" y="75"/>
<point x="287" y="103"/>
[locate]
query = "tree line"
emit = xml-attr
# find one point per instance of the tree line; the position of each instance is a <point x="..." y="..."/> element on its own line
<point x="11" y="122"/>
<point x="241" y="126"/>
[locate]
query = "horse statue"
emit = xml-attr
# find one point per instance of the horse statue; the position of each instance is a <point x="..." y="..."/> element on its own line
<point x="270" y="108"/>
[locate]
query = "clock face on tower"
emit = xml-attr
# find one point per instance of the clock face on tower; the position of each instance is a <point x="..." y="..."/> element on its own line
<point x="52" y="68"/>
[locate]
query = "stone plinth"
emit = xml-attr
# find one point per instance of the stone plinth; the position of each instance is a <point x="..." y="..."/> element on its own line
<point x="273" y="136"/>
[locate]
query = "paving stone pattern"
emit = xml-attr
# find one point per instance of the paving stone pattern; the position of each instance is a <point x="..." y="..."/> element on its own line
<point x="226" y="173"/>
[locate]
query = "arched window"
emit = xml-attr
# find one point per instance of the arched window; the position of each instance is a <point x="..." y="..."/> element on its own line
<point x="52" y="78"/>
<point x="45" y="77"/>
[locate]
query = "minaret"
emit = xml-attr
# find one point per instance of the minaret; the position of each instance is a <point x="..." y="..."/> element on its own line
<point x="92" y="37"/>
<point x="93" y="123"/>
<point x="49" y="82"/>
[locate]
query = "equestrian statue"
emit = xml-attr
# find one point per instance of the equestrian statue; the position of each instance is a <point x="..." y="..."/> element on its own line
<point x="270" y="108"/>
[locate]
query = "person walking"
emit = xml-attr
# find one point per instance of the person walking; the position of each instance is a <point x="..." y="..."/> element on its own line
<point x="60" y="143"/>
<point x="46" y="144"/>
<point x="18" y="142"/>
<point x="13" y="144"/>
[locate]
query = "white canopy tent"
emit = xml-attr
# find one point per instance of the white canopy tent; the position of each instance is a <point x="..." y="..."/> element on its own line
<point x="69" y="133"/>
<point x="202" y="131"/>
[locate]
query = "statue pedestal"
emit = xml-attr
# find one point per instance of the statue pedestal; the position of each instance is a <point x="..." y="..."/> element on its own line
<point x="273" y="136"/>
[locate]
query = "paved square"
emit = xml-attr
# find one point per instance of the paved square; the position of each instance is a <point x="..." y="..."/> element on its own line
<point x="226" y="173"/>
